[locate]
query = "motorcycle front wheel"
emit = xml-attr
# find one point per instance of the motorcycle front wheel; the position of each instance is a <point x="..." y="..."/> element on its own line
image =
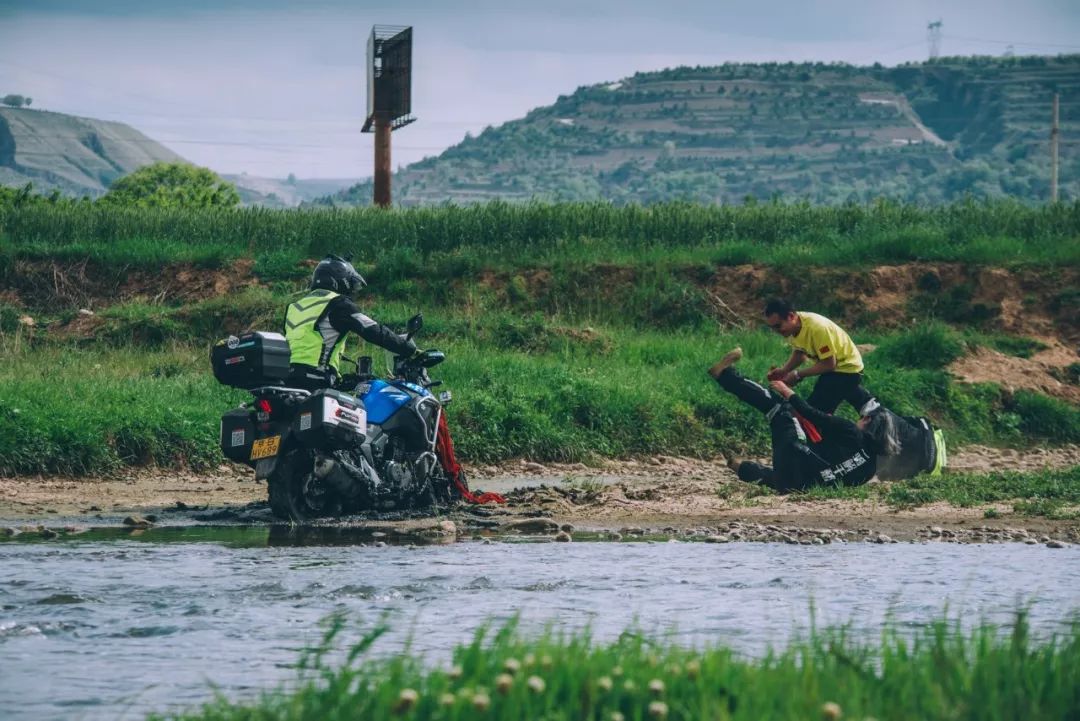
<point x="296" y="493"/>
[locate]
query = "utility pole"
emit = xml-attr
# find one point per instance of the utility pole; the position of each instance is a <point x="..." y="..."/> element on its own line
<point x="1054" y="154"/>
<point x="933" y="38"/>
<point x="382" y="163"/>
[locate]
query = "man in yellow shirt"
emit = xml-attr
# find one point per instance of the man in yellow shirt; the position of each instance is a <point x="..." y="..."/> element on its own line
<point x="837" y="362"/>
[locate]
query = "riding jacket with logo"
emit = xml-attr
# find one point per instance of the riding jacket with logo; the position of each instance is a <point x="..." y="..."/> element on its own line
<point x="315" y="327"/>
<point x="843" y="456"/>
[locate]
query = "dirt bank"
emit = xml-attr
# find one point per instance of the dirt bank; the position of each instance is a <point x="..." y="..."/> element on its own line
<point x="660" y="495"/>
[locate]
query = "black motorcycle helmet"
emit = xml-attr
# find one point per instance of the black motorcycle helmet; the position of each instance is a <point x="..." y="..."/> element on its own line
<point x="337" y="274"/>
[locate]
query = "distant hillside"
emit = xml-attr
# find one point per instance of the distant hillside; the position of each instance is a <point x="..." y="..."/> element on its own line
<point x="78" y="156"/>
<point x="824" y="132"/>
<point x="284" y="193"/>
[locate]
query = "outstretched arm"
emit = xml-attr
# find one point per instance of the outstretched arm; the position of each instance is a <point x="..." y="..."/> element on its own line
<point x="797" y="358"/>
<point x="833" y="425"/>
<point x="345" y="317"/>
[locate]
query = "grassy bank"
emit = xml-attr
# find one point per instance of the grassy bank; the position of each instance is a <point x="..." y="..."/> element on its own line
<point x="520" y="390"/>
<point x="573" y="331"/>
<point x="936" y="672"/>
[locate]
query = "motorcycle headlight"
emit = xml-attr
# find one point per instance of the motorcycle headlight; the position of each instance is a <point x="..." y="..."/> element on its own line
<point x="445" y="397"/>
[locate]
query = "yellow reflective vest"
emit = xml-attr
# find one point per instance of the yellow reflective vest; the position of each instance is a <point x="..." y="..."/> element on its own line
<point x="312" y="340"/>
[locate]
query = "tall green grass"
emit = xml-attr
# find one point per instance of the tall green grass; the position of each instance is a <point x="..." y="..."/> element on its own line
<point x="994" y="232"/>
<point x="939" y="672"/>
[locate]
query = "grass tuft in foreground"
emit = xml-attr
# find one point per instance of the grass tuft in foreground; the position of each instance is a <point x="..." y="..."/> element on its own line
<point x="938" y="672"/>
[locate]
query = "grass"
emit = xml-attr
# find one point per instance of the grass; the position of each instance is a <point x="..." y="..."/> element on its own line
<point x="999" y="232"/>
<point x="937" y="671"/>
<point x="522" y="389"/>
<point x="1047" y="492"/>
<point x="574" y="330"/>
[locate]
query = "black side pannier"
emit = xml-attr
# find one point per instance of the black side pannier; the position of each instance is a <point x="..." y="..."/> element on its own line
<point x="250" y="360"/>
<point x="237" y="435"/>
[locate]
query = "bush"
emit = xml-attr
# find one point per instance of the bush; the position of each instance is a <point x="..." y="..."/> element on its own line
<point x="1048" y="418"/>
<point x="929" y="346"/>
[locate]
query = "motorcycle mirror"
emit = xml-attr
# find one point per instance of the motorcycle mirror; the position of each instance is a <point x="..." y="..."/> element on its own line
<point x="363" y="365"/>
<point x="415" y="324"/>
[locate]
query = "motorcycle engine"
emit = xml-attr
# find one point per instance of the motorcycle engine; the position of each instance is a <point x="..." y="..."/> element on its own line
<point x="398" y="475"/>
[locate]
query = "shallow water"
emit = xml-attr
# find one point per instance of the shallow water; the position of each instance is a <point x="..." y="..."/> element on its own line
<point x="112" y="626"/>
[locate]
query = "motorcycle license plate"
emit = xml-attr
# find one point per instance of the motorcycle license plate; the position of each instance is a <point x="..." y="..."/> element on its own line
<point x="265" y="447"/>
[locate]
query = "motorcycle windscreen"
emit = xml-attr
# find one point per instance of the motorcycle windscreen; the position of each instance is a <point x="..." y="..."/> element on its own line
<point x="382" y="400"/>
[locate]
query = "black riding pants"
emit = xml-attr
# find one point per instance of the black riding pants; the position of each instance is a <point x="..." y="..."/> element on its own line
<point x="791" y="457"/>
<point x="832" y="388"/>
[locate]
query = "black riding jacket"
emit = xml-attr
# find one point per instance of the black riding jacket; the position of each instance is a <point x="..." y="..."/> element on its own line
<point x="845" y="455"/>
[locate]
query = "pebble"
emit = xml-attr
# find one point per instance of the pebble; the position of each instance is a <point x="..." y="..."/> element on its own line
<point x="530" y="525"/>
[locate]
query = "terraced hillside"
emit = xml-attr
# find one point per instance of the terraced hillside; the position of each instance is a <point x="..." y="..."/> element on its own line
<point x="824" y="132"/>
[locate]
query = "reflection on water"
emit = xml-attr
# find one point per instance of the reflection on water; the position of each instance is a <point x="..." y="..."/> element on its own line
<point x="112" y="626"/>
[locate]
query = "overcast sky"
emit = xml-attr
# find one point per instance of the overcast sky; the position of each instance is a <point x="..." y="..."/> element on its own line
<point x="270" y="87"/>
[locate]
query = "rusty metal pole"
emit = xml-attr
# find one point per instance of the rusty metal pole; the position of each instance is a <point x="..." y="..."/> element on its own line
<point x="1054" y="154"/>
<point x="382" y="162"/>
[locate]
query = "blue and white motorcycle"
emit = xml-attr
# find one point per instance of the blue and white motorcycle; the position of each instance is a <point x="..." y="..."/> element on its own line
<point x="367" y="444"/>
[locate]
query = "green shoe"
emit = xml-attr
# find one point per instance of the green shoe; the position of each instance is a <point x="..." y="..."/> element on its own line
<point x="939" y="456"/>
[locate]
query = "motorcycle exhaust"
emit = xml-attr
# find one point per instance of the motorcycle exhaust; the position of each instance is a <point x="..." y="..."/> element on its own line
<point x="347" y="479"/>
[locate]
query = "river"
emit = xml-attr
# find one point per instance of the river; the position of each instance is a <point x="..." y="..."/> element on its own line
<point x="107" y="625"/>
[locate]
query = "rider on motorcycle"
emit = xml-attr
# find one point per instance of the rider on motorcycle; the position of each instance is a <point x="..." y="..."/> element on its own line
<point x="316" y="325"/>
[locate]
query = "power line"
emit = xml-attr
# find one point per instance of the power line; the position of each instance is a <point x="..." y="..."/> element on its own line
<point x="1012" y="42"/>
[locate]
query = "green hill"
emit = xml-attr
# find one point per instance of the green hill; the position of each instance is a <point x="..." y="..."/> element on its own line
<point x="78" y="156"/>
<point x="824" y="132"/>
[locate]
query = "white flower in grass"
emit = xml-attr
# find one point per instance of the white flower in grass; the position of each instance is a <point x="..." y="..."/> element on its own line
<point x="406" y="700"/>
<point x="604" y="683"/>
<point x="628" y="685"/>
<point x="617" y="671"/>
<point x="693" y="668"/>
<point x="536" y="684"/>
<point x="546" y="662"/>
<point x="512" y="665"/>
<point x="656" y="687"/>
<point x="481" y="702"/>
<point x="831" y="711"/>
<point x="447" y="699"/>
<point x="503" y="682"/>
<point x="454" y="672"/>
<point x="658" y="709"/>
<point x="616" y="716"/>
<point x="529" y="660"/>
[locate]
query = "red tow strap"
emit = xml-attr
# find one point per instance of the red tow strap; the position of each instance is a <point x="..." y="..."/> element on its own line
<point x="811" y="430"/>
<point x="444" y="449"/>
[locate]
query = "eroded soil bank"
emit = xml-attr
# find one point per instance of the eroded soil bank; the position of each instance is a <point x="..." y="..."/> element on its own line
<point x="656" y="496"/>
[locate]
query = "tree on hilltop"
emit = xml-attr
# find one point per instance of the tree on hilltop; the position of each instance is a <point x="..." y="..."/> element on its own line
<point x="16" y="101"/>
<point x="172" y="185"/>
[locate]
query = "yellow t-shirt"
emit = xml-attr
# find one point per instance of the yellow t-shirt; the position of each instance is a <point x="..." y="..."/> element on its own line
<point x="820" y="338"/>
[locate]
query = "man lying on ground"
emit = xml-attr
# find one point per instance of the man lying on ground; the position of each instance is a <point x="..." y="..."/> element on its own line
<point x="810" y="447"/>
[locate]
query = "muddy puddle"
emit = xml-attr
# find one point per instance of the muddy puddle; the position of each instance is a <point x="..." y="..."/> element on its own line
<point x="115" y="623"/>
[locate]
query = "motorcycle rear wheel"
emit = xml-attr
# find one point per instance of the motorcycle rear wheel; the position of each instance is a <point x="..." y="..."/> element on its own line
<point x="296" y="493"/>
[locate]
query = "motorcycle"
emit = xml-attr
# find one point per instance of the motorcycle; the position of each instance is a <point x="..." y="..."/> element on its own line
<point x="367" y="443"/>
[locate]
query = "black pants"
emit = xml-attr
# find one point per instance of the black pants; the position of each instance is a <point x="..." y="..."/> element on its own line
<point x="791" y="457"/>
<point x="832" y="388"/>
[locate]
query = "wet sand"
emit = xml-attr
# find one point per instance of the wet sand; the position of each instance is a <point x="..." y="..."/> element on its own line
<point x="655" y="496"/>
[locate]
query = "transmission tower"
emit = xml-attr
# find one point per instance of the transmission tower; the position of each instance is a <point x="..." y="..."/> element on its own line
<point x="933" y="38"/>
